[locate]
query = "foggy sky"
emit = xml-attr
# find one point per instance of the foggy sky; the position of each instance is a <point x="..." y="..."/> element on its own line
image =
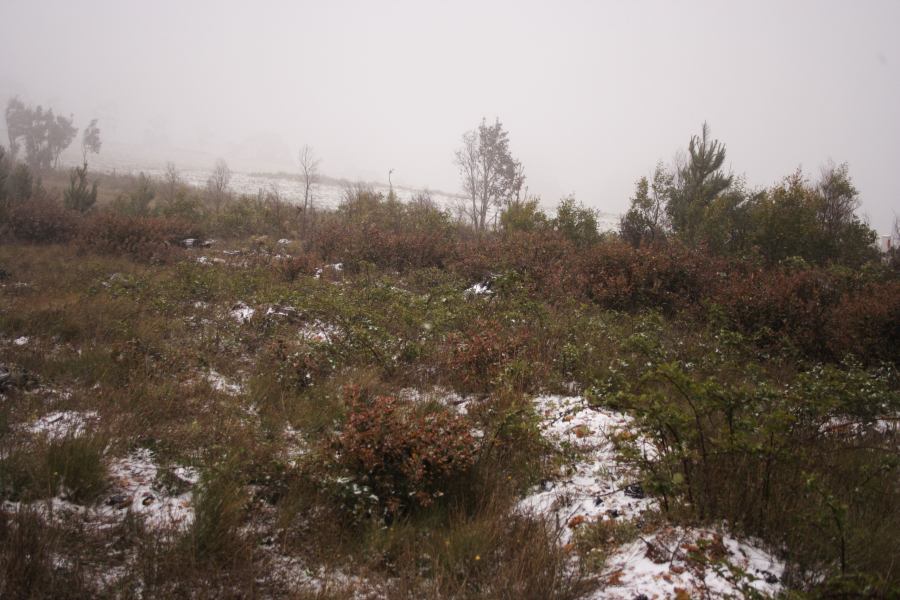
<point x="593" y="94"/>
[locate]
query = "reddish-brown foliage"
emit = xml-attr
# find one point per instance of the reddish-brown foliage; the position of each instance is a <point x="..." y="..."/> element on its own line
<point x="407" y="458"/>
<point x="41" y="221"/>
<point x="143" y="238"/>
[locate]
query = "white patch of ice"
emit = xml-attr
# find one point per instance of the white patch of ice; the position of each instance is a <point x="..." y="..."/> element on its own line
<point x="60" y="424"/>
<point x="284" y="241"/>
<point x="21" y="341"/>
<point x="702" y="562"/>
<point x="242" y="313"/>
<point x="593" y="485"/>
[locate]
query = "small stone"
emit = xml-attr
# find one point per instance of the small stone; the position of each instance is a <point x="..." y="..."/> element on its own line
<point x="119" y="501"/>
<point x="148" y="500"/>
<point x="641" y="597"/>
<point x="769" y="578"/>
<point x="635" y="490"/>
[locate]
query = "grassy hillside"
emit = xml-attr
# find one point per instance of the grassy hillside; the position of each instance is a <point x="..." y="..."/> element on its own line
<point x="377" y="401"/>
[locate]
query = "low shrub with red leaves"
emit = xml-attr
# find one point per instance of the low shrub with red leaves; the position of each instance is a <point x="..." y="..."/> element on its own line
<point x="40" y="221"/>
<point x="405" y="457"/>
<point x="149" y="239"/>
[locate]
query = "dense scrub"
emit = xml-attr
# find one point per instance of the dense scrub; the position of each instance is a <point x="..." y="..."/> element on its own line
<point x="357" y="399"/>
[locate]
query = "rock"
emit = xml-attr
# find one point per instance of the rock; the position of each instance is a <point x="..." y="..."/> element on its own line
<point x="641" y="597"/>
<point x="4" y="274"/>
<point x="635" y="490"/>
<point x="119" y="501"/>
<point x="148" y="499"/>
<point x="769" y="577"/>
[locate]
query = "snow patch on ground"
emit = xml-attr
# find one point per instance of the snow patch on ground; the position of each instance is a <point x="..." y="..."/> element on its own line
<point x="595" y="484"/>
<point x="61" y="424"/>
<point x="292" y="573"/>
<point x="701" y="562"/>
<point x="242" y="313"/>
<point x="21" y="341"/>
<point x="135" y="488"/>
<point x="206" y="260"/>
<point x="320" y="331"/>
<point x="220" y="383"/>
<point x="295" y="445"/>
<point x="853" y="427"/>
<point x="479" y="289"/>
<point x="336" y="267"/>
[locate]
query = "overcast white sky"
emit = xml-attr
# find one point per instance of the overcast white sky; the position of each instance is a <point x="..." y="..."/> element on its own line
<point x="592" y="93"/>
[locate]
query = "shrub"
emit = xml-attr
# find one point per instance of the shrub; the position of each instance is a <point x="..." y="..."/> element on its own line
<point x="42" y="221"/>
<point x="804" y="465"/>
<point x="214" y="536"/>
<point x="143" y="238"/>
<point x="404" y="458"/>
<point x="477" y="357"/>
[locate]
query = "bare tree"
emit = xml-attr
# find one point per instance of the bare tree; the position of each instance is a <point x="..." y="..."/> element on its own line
<point x="90" y="140"/>
<point x="490" y="175"/>
<point x="217" y="184"/>
<point x="309" y="173"/>
<point x="171" y="183"/>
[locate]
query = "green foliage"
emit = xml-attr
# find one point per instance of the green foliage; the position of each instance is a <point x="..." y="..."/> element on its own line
<point x="646" y="219"/>
<point x="20" y="185"/>
<point x="700" y="181"/>
<point x="137" y="202"/>
<point x="806" y="464"/>
<point x="79" y="196"/>
<point x="214" y="537"/>
<point x="523" y="216"/>
<point x="576" y="222"/>
<point x="72" y="467"/>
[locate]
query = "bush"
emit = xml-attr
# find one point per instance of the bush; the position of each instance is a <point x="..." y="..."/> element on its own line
<point x="214" y="536"/>
<point x="806" y="465"/>
<point x="42" y="221"/>
<point x="404" y="458"/>
<point x="143" y="238"/>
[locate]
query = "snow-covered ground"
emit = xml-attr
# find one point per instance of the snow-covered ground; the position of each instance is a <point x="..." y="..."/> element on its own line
<point x="678" y="562"/>
<point x="594" y="484"/>
<point x="61" y="424"/>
